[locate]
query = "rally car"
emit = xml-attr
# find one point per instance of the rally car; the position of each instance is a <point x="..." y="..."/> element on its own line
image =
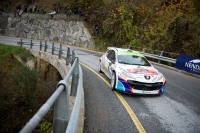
<point x="130" y="72"/>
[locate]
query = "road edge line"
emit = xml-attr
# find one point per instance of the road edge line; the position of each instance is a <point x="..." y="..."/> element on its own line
<point x="123" y="101"/>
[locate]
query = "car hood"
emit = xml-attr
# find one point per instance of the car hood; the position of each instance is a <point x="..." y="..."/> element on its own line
<point x="146" y="74"/>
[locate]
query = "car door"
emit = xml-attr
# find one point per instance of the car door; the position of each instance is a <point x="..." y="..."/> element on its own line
<point x="109" y="60"/>
<point x="106" y="62"/>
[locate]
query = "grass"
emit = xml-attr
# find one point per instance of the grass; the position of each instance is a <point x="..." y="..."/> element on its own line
<point x="6" y="50"/>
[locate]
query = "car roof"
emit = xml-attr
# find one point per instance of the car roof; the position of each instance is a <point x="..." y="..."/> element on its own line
<point x="122" y="51"/>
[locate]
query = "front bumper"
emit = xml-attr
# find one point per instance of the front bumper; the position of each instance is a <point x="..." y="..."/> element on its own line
<point x="131" y="86"/>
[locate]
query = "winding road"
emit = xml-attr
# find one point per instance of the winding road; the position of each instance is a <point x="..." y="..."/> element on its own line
<point x="107" y="111"/>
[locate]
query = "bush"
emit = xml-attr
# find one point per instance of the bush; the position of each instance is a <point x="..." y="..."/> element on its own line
<point x="24" y="91"/>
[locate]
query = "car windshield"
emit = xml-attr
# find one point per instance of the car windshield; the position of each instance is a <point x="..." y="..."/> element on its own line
<point x="133" y="60"/>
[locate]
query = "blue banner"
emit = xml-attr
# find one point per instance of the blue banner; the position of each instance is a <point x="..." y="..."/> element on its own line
<point x="188" y="63"/>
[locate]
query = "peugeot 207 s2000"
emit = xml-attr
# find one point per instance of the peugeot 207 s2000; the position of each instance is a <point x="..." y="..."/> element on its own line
<point x="130" y="72"/>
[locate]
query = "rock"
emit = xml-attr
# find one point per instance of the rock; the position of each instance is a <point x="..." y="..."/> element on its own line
<point x="39" y="26"/>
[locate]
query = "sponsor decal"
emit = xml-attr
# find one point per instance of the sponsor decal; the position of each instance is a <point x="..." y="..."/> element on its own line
<point x="142" y="71"/>
<point x="188" y="63"/>
<point x="194" y="65"/>
<point x="112" y="66"/>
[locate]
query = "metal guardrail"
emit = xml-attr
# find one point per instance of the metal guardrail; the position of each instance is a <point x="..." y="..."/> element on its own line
<point x="156" y="54"/>
<point x="62" y="121"/>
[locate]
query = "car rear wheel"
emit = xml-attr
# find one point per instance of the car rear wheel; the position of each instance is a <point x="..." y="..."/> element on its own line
<point x="113" y="80"/>
<point x="100" y="67"/>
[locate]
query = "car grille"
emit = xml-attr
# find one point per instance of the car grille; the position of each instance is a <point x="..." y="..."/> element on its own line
<point x="145" y="86"/>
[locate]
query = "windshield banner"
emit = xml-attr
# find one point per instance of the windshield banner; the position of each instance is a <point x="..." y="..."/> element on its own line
<point x="188" y="63"/>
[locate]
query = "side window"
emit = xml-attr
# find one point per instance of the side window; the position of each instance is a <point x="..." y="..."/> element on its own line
<point x="108" y="53"/>
<point x="111" y="55"/>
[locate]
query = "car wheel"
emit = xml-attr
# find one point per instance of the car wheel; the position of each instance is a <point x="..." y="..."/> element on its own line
<point x="100" y="67"/>
<point x="113" y="80"/>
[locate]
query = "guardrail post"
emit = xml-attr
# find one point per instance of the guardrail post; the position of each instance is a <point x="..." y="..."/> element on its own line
<point x="68" y="56"/>
<point x="31" y="45"/>
<point x="60" y="51"/>
<point x="75" y="78"/>
<point x="143" y="50"/>
<point x="52" y="49"/>
<point x="73" y="57"/>
<point x="45" y="46"/>
<point x="20" y="42"/>
<point x="40" y="45"/>
<point x="61" y="112"/>
<point x="160" y="55"/>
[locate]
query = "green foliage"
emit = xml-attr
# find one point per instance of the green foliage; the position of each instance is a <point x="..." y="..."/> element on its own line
<point x="14" y="105"/>
<point x="25" y="81"/>
<point x="101" y="45"/>
<point x="169" y="25"/>
<point x="23" y="91"/>
<point x="165" y="25"/>
<point x="120" y="23"/>
<point x="44" y="127"/>
<point x="5" y="50"/>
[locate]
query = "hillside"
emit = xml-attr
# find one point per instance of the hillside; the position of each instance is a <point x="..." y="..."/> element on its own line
<point x="48" y="5"/>
<point x="24" y="90"/>
<point x="168" y="25"/>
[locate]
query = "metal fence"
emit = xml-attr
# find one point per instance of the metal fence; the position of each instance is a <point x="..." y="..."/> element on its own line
<point x="158" y="55"/>
<point x="62" y="121"/>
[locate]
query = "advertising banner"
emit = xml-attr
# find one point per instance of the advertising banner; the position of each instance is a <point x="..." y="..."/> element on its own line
<point x="188" y="63"/>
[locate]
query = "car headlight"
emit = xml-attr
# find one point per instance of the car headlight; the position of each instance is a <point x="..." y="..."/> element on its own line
<point x="125" y="73"/>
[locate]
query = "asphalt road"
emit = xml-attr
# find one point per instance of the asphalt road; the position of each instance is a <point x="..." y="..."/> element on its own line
<point x="107" y="111"/>
<point x="176" y="111"/>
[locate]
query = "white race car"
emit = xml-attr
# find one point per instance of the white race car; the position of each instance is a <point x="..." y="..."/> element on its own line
<point x="130" y="72"/>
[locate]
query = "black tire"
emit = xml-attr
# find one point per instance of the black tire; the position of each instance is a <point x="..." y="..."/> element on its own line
<point x="100" y="67"/>
<point x="113" y="80"/>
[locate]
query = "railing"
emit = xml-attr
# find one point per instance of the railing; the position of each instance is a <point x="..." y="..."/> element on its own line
<point x="62" y="121"/>
<point x="157" y="54"/>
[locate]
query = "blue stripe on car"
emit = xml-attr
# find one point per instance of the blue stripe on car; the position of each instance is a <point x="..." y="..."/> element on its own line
<point x="123" y="85"/>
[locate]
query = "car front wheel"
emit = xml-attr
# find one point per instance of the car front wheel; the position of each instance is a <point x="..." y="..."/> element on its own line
<point x="113" y="80"/>
<point x="100" y="67"/>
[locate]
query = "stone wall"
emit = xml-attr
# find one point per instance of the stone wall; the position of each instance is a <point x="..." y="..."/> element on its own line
<point x="42" y="27"/>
